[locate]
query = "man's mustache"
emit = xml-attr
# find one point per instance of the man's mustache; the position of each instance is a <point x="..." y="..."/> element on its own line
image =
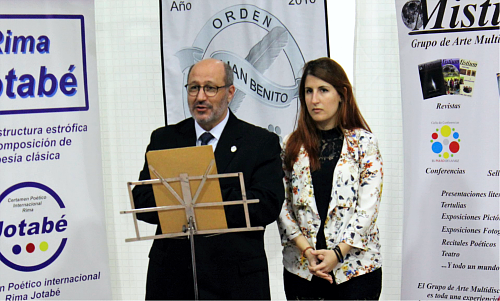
<point x="202" y="103"/>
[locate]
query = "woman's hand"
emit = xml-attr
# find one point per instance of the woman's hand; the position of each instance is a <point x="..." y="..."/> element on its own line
<point x="312" y="259"/>
<point x="328" y="261"/>
<point x="313" y="262"/>
<point x="321" y="262"/>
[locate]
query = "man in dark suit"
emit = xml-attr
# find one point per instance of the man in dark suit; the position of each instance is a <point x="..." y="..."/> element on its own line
<point x="229" y="266"/>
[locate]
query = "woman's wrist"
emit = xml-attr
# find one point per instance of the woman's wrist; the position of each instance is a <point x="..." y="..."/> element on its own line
<point x="338" y="254"/>
<point x="344" y="248"/>
<point x="305" y="250"/>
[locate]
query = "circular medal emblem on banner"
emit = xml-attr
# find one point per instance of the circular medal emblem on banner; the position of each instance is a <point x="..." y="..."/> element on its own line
<point x="32" y="226"/>
<point x="252" y="61"/>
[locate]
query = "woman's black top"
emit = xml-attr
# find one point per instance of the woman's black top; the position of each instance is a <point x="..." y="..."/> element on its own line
<point x="322" y="179"/>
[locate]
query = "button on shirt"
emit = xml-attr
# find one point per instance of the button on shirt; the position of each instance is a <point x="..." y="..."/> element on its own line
<point x="216" y="132"/>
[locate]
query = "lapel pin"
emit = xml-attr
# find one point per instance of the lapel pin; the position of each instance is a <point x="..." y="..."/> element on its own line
<point x="233" y="149"/>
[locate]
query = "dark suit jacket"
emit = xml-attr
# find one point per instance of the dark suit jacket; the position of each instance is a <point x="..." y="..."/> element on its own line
<point x="229" y="266"/>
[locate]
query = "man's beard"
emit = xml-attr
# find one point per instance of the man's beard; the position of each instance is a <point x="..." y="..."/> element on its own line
<point x="215" y="114"/>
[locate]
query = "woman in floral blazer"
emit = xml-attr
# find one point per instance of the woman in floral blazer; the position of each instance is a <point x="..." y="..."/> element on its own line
<point x="333" y="177"/>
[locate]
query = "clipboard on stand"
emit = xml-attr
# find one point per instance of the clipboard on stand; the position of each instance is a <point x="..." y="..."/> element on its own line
<point x="188" y="199"/>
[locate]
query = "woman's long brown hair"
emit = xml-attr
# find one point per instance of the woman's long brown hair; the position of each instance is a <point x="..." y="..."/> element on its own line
<point x="348" y="114"/>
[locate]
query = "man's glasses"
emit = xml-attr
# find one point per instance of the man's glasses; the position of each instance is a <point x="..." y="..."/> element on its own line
<point x="210" y="91"/>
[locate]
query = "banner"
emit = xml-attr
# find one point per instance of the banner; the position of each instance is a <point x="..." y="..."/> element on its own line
<point x="265" y="42"/>
<point x="52" y="230"/>
<point x="449" y="55"/>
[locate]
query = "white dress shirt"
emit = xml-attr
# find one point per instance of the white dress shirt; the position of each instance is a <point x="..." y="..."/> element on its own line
<point x="216" y="132"/>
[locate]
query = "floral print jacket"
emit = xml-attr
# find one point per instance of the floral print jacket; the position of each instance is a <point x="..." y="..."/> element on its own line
<point x="352" y="213"/>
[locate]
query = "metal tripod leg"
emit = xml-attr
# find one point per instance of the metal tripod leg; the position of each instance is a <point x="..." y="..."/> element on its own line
<point x="193" y="257"/>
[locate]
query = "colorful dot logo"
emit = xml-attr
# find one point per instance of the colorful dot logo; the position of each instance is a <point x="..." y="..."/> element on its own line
<point x="30" y="248"/>
<point x="445" y="142"/>
<point x="30" y="242"/>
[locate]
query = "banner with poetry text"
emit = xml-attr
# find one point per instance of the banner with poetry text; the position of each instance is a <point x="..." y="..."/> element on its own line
<point x="52" y="230"/>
